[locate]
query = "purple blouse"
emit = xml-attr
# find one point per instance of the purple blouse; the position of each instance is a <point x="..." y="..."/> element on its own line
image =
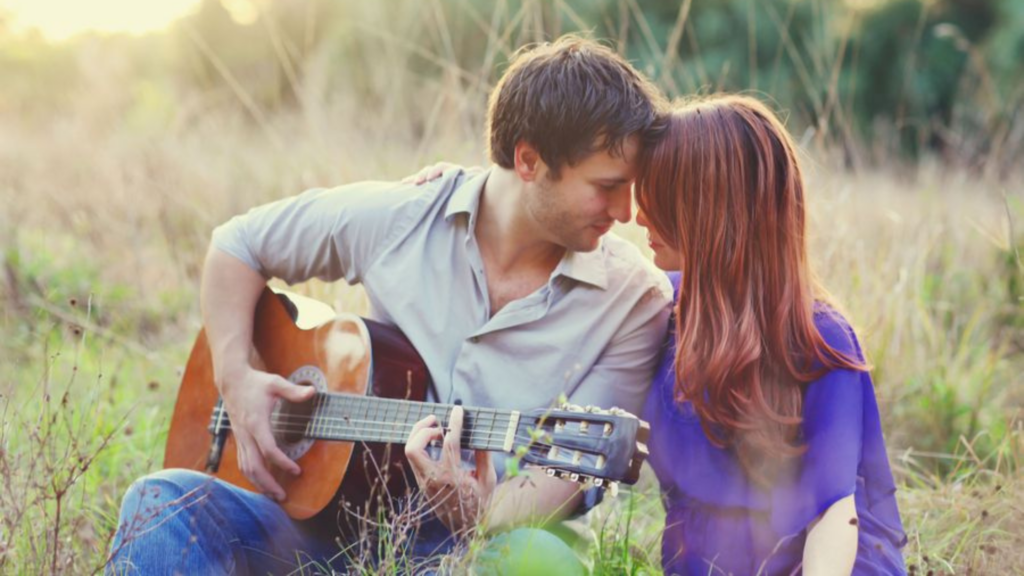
<point x="719" y="522"/>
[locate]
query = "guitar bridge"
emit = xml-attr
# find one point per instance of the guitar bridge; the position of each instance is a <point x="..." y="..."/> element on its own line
<point x="216" y="451"/>
<point x="219" y="430"/>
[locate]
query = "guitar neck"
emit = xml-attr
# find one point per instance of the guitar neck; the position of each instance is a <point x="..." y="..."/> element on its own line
<point x="371" y="419"/>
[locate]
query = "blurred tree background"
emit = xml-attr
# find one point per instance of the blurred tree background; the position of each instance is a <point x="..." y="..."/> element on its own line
<point x="874" y="77"/>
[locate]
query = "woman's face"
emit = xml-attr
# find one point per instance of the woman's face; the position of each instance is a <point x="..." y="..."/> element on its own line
<point x="665" y="257"/>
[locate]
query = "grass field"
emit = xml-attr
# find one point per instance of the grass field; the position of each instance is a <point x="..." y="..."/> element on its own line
<point x="107" y="209"/>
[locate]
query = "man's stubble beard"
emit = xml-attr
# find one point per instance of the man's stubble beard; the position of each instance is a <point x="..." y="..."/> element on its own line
<point x="547" y="208"/>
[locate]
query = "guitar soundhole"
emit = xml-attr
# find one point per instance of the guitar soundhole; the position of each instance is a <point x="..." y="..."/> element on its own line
<point x="295" y="418"/>
<point x="292" y="428"/>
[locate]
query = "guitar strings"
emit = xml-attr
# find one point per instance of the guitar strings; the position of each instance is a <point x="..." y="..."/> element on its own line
<point x="333" y="417"/>
<point x="331" y="420"/>
<point x="534" y="444"/>
<point x="485" y="444"/>
<point x="303" y="423"/>
<point x="391" y="436"/>
<point x="333" y="406"/>
<point x="300" y="424"/>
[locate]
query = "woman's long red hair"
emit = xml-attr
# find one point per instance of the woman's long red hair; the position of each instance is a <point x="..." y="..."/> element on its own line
<point x="723" y="186"/>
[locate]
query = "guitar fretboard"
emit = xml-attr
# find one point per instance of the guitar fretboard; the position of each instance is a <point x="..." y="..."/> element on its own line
<point x="369" y="419"/>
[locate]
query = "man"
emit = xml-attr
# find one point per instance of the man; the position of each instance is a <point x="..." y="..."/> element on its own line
<point x="504" y="281"/>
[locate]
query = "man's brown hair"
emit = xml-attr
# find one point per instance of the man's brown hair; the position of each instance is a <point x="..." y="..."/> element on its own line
<point x="568" y="99"/>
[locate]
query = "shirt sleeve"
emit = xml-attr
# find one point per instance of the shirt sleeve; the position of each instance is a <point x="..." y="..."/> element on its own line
<point x="322" y="233"/>
<point x="622" y="374"/>
<point x="622" y="377"/>
<point x="833" y="431"/>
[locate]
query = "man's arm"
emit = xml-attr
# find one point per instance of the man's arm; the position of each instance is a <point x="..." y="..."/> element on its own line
<point x="323" y="233"/>
<point x="228" y="296"/>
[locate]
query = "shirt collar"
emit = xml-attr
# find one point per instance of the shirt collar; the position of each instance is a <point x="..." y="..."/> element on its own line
<point x="466" y="198"/>
<point x="586" y="267"/>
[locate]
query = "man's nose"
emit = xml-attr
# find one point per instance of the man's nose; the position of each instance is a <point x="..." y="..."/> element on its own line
<point x="621" y="205"/>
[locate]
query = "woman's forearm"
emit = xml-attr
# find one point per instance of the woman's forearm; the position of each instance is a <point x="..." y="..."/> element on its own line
<point x="831" y="546"/>
<point x="531" y="498"/>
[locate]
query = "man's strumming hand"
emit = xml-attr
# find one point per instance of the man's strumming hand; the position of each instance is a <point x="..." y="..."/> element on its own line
<point x="249" y="397"/>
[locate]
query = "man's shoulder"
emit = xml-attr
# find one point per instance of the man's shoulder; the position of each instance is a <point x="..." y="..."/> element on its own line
<point x="631" y="269"/>
<point x="386" y="193"/>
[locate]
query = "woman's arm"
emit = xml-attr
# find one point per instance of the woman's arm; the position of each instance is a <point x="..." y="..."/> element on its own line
<point x="531" y="498"/>
<point x="831" y="545"/>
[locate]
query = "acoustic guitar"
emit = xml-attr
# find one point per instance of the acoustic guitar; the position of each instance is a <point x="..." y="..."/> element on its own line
<point x="371" y="385"/>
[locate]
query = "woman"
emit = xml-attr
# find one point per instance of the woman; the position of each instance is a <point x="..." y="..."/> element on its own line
<point x="765" y="434"/>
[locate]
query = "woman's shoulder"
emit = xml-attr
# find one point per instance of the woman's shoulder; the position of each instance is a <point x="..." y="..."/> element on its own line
<point x="836" y="330"/>
<point x="674" y="278"/>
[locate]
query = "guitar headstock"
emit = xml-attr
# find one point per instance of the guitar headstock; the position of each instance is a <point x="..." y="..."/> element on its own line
<point x="585" y="444"/>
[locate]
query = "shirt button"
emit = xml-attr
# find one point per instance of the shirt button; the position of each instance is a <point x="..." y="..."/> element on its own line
<point x="474" y="339"/>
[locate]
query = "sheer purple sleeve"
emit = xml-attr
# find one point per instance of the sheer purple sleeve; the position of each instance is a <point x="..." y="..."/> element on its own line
<point x="834" y="433"/>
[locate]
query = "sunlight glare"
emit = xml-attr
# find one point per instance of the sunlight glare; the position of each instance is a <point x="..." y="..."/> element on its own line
<point x="60" y="19"/>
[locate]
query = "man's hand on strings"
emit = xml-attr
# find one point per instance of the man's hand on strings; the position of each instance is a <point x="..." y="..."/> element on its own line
<point x="249" y="397"/>
<point x="458" y="496"/>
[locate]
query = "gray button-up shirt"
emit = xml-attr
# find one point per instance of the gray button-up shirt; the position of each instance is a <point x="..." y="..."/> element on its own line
<point x="593" y="332"/>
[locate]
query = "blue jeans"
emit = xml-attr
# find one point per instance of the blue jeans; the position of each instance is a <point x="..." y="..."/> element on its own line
<point x="185" y="522"/>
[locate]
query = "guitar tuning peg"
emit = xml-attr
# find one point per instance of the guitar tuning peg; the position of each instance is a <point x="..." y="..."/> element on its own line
<point x="616" y="411"/>
<point x="613" y="489"/>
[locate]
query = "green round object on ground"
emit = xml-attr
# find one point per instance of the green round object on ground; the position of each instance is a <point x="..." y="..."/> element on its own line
<point x="528" y="552"/>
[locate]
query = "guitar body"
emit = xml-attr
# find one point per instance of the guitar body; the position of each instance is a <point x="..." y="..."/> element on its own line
<point x="303" y="340"/>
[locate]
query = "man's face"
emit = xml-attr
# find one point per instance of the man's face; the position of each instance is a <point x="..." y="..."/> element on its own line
<point x="581" y="206"/>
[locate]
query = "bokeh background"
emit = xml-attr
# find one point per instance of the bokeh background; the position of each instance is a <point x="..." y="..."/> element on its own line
<point x="129" y="130"/>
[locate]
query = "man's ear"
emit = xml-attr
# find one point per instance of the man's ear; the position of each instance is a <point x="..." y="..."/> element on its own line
<point x="527" y="161"/>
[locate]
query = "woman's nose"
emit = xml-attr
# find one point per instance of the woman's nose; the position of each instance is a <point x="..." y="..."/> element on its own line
<point x="641" y="219"/>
